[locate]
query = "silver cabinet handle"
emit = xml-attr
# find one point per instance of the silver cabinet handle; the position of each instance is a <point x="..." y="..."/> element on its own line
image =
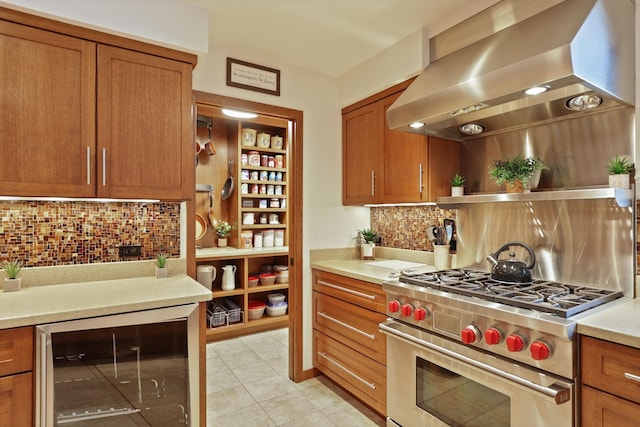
<point x="347" y="290"/>
<point x="104" y="166"/>
<point x="558" y="394"/>
<point x="346" y="325"/>
<point x="420" y="187"/>
<point x="632" y="377"/>
<point x="6" y="361"/>
<point x="373" y="183"/>
<point x="88" y="165"/>
<point x="357" y="377"/>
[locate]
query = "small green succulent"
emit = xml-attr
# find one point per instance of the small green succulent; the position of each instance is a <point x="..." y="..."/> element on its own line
<point x="457" y="181"/>
<point x="620" y="166"/>
<point x="12" y="268"/>
<point x="161" y="260"/>
<point x="367" y="234"/>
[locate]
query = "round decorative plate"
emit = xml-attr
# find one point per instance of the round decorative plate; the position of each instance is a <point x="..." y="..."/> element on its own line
<point x="201" y="227"/>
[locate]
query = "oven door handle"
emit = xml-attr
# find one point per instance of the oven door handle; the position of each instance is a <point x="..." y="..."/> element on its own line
<point x="559" y="394"/>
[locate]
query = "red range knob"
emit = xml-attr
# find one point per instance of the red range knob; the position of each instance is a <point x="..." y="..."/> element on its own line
<point x="470" y="334"/>
<point x="394" y="306"/>
<point x="407" y="310"/>
<point x="515" y="343"/>
<point x="492" y="336"/>
<point x="420" y="313"/>
<point x="540" y="350"/>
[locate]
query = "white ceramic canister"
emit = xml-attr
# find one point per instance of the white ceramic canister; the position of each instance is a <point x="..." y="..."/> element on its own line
<point x="248" y="218"/>
<point x="276" y="142"/>
<point x="264" y="140"/>
<point x="278" y="239"/>
<point x="267" y="238"/>
<point x="257" y="240"/>
<point x="248" y="137"/>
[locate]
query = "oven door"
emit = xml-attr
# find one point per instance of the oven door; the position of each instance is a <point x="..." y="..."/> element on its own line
<point x="433" y="381"/>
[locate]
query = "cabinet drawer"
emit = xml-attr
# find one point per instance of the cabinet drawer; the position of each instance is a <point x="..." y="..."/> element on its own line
<point x="611" y="367"/>
<point x="353" y="326"/>
<point x="602" y="409"/>
<point x="364" y="294"/>
<point x="363" y="377"/>
<point x="16" y="400"/>
<point x="16" y="350"/>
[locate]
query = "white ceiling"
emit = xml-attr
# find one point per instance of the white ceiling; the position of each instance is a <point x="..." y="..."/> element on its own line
<point x="328" y="36"/>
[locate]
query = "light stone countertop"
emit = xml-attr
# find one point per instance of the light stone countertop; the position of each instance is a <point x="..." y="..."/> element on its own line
<point x="361" y="270"/>
<point x="34" y="305"/>
<point x="619" y="323"/>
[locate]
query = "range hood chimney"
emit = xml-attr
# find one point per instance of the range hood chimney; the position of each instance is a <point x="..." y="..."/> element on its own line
<point x="578" y="47"/>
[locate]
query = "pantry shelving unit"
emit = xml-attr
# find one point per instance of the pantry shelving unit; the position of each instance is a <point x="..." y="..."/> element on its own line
<point x="254" y="195"/>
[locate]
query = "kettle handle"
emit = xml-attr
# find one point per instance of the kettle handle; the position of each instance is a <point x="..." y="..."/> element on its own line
<point x="532" y="255"/>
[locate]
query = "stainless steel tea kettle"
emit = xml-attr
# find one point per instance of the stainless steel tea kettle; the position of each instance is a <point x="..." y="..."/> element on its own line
<point x="512" y="270"/>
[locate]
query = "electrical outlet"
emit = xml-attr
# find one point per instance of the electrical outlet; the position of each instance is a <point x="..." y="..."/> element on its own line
<point x="130" y="251"/>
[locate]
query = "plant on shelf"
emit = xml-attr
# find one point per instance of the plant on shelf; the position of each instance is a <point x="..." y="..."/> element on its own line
<point x="223" y="231"/>
<point x="12" y="269"/>
<point x="619" y="169"/>
<point x="367" y="237"/>
<point x="161" y="265"/>
<point x="457" y="185"/>
<point x="517" y="172"/>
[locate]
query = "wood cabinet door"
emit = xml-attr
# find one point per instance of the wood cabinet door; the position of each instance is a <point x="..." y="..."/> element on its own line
<point x="47" y="113"/>
<point x="601" y="409"/>
<point x="16" y="400"/>
<point x="361" y="136"/>
<point x="405" y="162"/>
<point x="145" y="126"/>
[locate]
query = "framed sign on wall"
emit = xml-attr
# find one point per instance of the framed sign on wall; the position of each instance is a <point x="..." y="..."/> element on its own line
<point x="254" y="77"/>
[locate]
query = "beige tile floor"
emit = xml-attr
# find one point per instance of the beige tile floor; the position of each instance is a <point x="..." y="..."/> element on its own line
<point x="248" y="385"/>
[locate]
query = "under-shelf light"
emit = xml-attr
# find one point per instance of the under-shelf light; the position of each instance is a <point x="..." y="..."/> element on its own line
<point x="238" y="114"/>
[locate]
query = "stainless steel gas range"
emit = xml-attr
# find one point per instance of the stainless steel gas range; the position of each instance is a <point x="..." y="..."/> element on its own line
<point x="464" y="349"/>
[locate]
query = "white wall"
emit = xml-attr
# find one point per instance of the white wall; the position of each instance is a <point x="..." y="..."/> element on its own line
<point x="326" y="223"/>
<point x="170" y="23"/>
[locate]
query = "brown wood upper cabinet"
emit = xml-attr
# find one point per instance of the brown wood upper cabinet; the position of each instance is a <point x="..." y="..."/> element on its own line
<point x="82" y="119"/>
<point x="380" y="165"/>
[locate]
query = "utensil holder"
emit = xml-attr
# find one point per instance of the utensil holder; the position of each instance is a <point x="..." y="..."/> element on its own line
<point x="441" y="256"/>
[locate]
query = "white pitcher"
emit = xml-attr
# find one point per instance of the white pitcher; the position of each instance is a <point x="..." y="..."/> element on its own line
<point x="206" y="274"/>
<point x="229" y="277"/>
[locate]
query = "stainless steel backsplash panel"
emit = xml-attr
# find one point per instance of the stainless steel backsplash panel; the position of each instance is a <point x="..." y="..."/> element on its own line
<point x="577" y="151"/>
<point x="588" y="242"/>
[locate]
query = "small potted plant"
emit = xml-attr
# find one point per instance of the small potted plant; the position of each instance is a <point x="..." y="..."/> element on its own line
<point x="619" y="170"/>
<point x="12" y="282"/>
<point x="367" y="239"/>
<point x="516" y="173"/>
<point x="223" y="231"/>
<point x="161" y="265"/>
<point x="457" y="185"/>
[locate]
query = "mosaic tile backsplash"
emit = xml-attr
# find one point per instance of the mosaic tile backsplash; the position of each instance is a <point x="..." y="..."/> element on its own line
<point x="404" y="227"/>
<point x="44" y="233"/>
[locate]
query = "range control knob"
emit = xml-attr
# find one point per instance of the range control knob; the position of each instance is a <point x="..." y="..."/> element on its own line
<point x="421" y="313"/>
<point x="407" y="310"/>
<point x="515" y="343"/>
<point x="492" y="336"/>
<point x="540" y="350"/>
<point x="470" y="334"/>
<point x="394" y="306"/>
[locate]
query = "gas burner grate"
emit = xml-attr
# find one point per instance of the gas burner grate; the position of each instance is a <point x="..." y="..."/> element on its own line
<point x="561" y="299"/>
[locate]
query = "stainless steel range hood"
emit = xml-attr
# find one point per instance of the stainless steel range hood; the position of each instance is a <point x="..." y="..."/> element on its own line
<point x="576" y="47"/>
